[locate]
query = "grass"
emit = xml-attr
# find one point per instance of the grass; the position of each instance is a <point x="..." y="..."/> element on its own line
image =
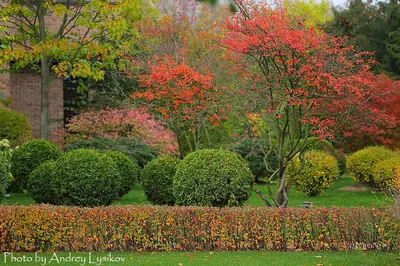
<point x="213" y="258"/>
<point x="332" y="197"/>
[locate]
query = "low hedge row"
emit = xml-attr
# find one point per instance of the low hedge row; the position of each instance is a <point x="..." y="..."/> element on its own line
<point x="146" y="228"/>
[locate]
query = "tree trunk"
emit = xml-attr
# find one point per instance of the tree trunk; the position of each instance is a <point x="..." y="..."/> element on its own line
<point x="44" y="92"/>
<point x="282" y="197"/>
<point x="44" y="77"/>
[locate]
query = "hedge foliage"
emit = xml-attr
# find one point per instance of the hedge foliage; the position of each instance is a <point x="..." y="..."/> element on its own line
<point x="212" y="178"/>
<point x="384" y="173"/>
<point x="127" y="169"/>
<point x="133" y="148"/>
<point x="157" y="180"/>
<point x="4" y="177"/>
<point x="41" y="184"/>
<point x="14" y="126"/>
<point x="361" y="164"/>
<point x="147" y="228"/>
<point x="86" y="178"/>
<point x="318" y="174"/>
<point x="30" y="155"/>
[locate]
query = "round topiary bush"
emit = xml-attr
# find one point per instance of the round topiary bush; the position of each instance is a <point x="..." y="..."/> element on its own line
<point x="318" y="174"/>
<point x="212" y="178"/>
<point x="157" y="180"/>
<point x="86" y="178"/>
<point x="384" y="174"/>
<point x="127" y="169"/>
<point x="41" y="183"/>
<point x="30" y="155"/>
<point x="14" y="126"/>
<point x="4" y="179"/>
<point x="361" y="163"/>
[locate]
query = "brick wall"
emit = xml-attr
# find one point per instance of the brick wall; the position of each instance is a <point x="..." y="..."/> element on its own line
<point x="25" y="92"/>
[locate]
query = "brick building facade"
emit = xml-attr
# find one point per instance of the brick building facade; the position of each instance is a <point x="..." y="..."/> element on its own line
<point x="23" y="88"/>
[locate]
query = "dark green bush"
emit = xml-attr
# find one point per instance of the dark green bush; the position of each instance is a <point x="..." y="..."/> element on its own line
<point x="4" y="179"/>
<point x="133" y="148"/>
<point x="30" y="155"/>
<point x="212" y="178"/>
<point x="86" y="178"/>
<point x="318" y="174"/>
<point x="361" y="164"/>
<point x="157" y="180"/>
<point x="252" y="152"/>
<point x="127" y="169"/>
<point x="41" y="183"/>
<point x="14" y="126"/>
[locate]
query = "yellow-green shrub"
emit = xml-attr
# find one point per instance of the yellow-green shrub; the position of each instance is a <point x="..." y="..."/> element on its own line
<point x="361" y="163"/>
<point x="319" y="172"/>
<point x="384" y="173"/>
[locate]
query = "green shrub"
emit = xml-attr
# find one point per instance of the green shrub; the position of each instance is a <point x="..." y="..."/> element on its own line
<point x="361" y="163"/>
<point x="384" y="173"/>
<point x="133" y="148"/>
<point x="253" y="154"/>
<point x="4" y="177"/>
<point x="212" y="178"/>
<point x="157" y="180"/>
<point x="86" y="178"/>
<point x="41" y="183"/>
<point x="14" y="126"/>
<point x="318" y="174"/>
<point x="29" y="156"/>
<point x="127" y="169"/>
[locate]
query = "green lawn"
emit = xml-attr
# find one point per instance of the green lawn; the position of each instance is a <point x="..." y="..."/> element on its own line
<point x="332" y="197"/>
<point x="209" y="258"/>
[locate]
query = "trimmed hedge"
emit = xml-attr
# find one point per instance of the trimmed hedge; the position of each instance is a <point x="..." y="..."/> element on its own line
<point x="318" y="174"/>
<point x="157" y="180"/>
<point x="147" y="228"/>
<point x="384" y="174"/>
<point x="361" y="163"/>
<point x="212" y="178"/>
<point x="28" y="157"/>
<point x="86" y="178"/>
<point x="14" y="126"/>
<point x="127" y="169"/>
<point x="41" y="183"/>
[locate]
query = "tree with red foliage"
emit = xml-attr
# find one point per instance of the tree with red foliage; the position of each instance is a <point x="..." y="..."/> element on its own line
<point x="379" y="121"/>
<point x="301" y="81"/>
<point x="184" y="98"/>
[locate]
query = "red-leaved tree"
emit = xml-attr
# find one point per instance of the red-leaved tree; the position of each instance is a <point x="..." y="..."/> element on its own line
<point x="301" y="81"/>
<point x="184" y="98"/>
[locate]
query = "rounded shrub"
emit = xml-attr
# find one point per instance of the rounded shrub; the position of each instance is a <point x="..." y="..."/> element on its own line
<point x="30" y="155"/>
<point x="133" y="148"/>
<point x="361" y="163"/>
<point x="86" y="178"/>
<point x="41" y="183"/>
<point x="127" y="169"/>
<point x="14" y="126"/>
<point x="4" y="177"/>
<point x="212" y="178"/>
<point x="384" y="174"/>
<point x="157" y="180"/>
<point x="319" y="172"/>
